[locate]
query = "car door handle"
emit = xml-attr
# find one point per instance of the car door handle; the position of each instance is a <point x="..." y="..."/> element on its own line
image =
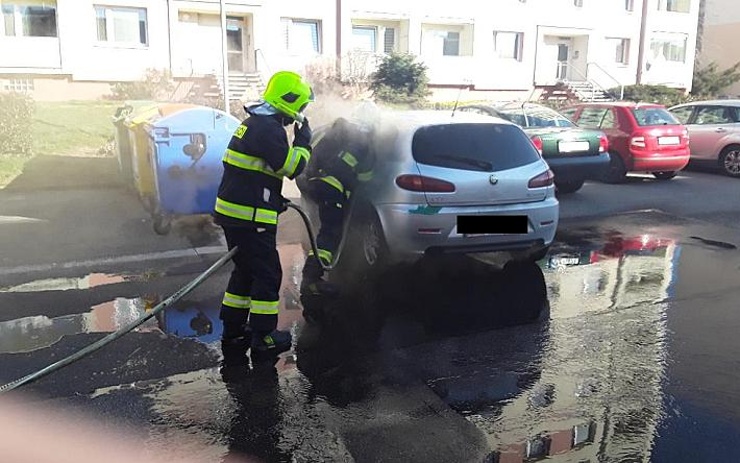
<point x="720" y="130"/>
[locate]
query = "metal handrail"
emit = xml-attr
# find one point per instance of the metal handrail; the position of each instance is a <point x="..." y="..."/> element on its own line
<point x="594" y="85"/>
<point x="604" y="71"/>
<point x="257" y="53"/>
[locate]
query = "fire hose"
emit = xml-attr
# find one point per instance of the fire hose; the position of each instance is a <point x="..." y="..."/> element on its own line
<point x="175" y="297"/>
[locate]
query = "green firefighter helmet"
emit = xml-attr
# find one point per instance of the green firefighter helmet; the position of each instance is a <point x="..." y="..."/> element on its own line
<point x="288" y="93"/>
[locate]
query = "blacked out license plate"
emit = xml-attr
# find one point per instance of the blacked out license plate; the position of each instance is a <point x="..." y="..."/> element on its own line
<point x="472" y="225"/>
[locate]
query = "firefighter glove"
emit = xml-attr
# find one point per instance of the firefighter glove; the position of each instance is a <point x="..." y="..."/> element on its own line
<point x="303" y="134"/>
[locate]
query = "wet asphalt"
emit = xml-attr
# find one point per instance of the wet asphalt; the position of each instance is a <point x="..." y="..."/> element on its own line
<point x="621" y="345"/>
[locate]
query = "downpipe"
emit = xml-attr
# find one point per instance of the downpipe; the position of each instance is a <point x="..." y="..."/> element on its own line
<point x="175" y="297"/>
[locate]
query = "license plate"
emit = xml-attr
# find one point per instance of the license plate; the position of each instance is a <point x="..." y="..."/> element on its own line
<point x="486" y="225"/>
<point x="668" y="140"/>
<point x="572" y="146"/>
<point x="564" y="261"/>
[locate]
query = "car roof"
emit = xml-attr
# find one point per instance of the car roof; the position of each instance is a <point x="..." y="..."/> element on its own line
<point x="414" y="119"/>
<point x="620" y="104"/>
<point x="728" y="102"/>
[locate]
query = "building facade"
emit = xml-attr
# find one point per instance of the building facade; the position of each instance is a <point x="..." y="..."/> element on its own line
<point x="76" y="48"/>
<point x="721" y="29"/>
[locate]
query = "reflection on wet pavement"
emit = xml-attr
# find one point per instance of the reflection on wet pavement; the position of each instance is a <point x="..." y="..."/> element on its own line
<point x="451" y="360"/>
<point x="34" y="333"/>
<point x="92" y="280"/>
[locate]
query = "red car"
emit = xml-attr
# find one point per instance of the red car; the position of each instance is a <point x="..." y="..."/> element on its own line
<point x="643" y="137"/>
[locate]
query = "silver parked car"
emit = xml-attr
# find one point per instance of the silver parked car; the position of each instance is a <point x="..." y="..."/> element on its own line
<point x="714" y="131"/>
<point x="450" y="184"/>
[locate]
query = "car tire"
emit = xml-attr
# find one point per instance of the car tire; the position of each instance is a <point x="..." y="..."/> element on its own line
<point x="569" y="186"/>
<point x="617" y="172"/>
<point x="665" y="175"/>
<point x="729" y="161"/>
<point x="374" y="250"/>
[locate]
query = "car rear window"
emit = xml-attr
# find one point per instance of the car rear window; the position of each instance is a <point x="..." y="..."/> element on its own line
<point x="478" y="147"/>
<point x="654" y="116"/>
<point x="535" y="117"/>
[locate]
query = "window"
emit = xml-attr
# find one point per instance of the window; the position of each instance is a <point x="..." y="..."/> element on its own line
<point x="18" y="85"/>
<point x="683" y="114"/>
<point x="302" y="35"/>
<point x="716" y="115"/>
<point x="671" y="48"/>
<point x="621" y="49"/>
<point x="647" y="117"/>
<point x="451" y="44"/>
<point x="122" y="25"/>
<point x="591" y="117"/>
<point x="389" y="40"/>
<point x="629" y="5"/>
<point x="508" y="45"/>
<point x="609" y="121"/>
<point x="677" y="6"/>
<point x="364" y="38"/>
<point x="29" y="18"/>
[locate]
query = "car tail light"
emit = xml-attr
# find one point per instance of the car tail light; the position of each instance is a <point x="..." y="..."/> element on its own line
<point x="537" y="141"/>
<point x="603" y="144"/>
<point x="638" y="141"/>
<point x="545" y="179"/>
<point x="424" y="184"/>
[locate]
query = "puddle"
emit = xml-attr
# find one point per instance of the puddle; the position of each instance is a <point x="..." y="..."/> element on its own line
<point x="93" y="280"/>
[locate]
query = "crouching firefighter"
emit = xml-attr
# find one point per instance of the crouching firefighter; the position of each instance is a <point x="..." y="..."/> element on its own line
<point x="340" y="161"/>
<point x="247" y="207"/>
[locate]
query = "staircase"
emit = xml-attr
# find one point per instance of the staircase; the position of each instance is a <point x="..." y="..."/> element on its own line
<point x="586" y="90"/>
<point x="247" y="87"/>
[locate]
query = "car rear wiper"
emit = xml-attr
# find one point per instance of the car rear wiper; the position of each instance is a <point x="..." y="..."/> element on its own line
<point x="483" y="165"/>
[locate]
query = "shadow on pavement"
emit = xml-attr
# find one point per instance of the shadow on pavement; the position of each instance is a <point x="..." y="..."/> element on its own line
<point x="67" y="172"/>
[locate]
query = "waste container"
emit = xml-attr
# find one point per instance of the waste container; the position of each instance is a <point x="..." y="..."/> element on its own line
<point x="142" y="166"/>
<point x="124" y="150"/>
<point x="186" y="149"/>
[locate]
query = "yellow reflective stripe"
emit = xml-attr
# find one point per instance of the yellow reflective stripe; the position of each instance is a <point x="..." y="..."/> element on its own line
<point x="247" y="162"/>
<point x="333" y="181"/>
<point x="240" y="131"/>
<point x="365" y="176"/>
<point x="349" y="159"/>
<point x="236" y="302"/>
<point x="264" y="307"/>
<point x="248" y="213"/>
<point x="293" y="159"/>
<point x="324" y="255"/>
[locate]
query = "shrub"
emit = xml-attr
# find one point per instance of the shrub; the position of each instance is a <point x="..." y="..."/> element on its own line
<point x="16" y="112"/>
<point x="399" y="79"/>
<point x="709" y="81"/>
<point x="157" y="85"/>
<point x="653" y="94"/>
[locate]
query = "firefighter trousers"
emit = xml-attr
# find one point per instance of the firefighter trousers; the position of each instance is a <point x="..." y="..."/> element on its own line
<point x="331" y="204"/>
<point x="252" y="295"/>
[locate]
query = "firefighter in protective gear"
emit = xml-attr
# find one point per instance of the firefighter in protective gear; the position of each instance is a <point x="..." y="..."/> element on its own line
<point x="340" y="161"/>
<point x="247" y="207"/>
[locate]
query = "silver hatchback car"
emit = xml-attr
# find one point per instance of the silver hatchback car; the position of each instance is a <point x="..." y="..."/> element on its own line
<point x="450" y="184"/>
<point x="714" y="131"/>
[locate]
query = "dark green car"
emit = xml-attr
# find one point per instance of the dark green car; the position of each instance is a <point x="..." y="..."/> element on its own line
<point x="573" y="154"/>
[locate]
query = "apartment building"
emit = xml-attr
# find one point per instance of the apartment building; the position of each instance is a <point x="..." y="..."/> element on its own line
<point x="721" y="29"/>
<point x="61" y="49"/>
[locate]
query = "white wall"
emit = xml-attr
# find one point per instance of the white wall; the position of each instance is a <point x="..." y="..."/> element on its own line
<point x="29" y="54"/>
<point x="87" y="59"/>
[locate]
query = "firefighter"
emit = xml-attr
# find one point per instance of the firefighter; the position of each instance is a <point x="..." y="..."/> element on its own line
<point x="247" y="207"/>
<point x="340" y="161"/>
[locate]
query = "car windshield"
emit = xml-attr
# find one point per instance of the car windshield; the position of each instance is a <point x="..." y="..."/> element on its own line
<point x="535" y="117"/>
<point x="646" y="117"/>
<point x="480" y="147"/>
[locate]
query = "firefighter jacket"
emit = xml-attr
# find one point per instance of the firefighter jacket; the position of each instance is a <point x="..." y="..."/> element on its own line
<point x="256" y="161"/>
<point x="342" y="158"/>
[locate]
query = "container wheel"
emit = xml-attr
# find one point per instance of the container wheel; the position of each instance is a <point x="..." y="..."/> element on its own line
<point x="162" y="224"/>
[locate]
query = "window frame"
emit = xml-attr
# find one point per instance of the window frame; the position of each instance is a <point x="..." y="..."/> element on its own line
<point x="18" y="20"/>
<point x="108" y="15"/>
<point x="626" y="44"/>
<point x="664" y="5"/>
<point x="518" y="45"/>
<point x="666" y="41"/>
<point x="289" y="22"/>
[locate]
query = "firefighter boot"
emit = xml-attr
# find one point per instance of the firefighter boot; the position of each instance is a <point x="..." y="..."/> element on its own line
<point x="236" y="338"/>
<point x="317" y="286"/>
<point x="267" y="346"/>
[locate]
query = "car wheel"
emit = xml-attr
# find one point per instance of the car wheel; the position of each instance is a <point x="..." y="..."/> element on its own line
<point x="665" y="175"/>
<point x="729" y="161"/>
<point x="568" y="186"/>
<point x="617" y="170"/>
<point x="374" y="249"/>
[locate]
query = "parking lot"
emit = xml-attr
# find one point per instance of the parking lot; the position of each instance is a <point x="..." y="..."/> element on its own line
<point x="634" y="360"/>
